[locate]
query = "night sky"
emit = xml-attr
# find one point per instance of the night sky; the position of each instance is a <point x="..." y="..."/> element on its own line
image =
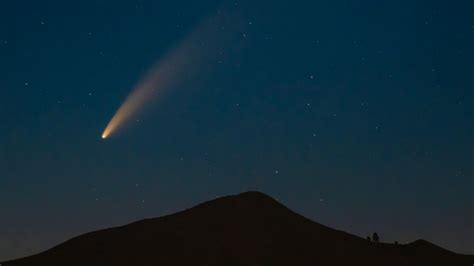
<point x="357" y="114"/>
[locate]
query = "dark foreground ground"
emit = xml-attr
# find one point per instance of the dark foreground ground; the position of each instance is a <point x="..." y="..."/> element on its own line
<point x="247" y="229"/>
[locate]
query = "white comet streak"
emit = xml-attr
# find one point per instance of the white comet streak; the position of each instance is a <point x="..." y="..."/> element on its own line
<point x="183" y="59"/>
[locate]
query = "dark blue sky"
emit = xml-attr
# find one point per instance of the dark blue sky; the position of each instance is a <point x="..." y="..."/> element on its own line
<point x="357" y="114"/>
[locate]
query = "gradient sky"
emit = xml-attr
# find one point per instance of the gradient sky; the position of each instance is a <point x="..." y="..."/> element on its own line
<point x="357" y="114"/>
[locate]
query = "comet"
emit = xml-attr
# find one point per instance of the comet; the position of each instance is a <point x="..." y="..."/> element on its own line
<point x="187" y="57"/>
<point x="161" y="76"/>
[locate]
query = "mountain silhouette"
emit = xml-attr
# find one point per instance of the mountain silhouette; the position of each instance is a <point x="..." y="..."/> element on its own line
<point x="246" y="229"/>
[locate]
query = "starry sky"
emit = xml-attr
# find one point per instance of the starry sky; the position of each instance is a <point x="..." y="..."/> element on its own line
<point x="357" y="114"/>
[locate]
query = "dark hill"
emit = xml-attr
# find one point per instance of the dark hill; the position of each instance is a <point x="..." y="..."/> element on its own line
<point x="247" y="229"/>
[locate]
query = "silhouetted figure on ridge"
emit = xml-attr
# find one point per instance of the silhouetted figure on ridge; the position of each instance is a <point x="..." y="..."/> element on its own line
<point x="375" y="237"/>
